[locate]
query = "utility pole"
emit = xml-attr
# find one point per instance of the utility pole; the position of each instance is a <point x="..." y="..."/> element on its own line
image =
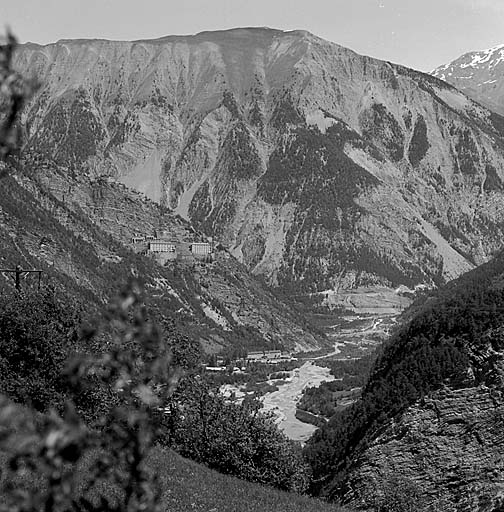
<point x="18" y="272"/>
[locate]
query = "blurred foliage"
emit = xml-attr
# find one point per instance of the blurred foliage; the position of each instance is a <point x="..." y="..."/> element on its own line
<point x="38" y="329"/>
<point x="14" y="90"/>
<point x="44" y="451"/>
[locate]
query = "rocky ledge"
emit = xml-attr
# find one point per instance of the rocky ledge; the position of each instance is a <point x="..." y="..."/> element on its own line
<point x="447" y="448"/>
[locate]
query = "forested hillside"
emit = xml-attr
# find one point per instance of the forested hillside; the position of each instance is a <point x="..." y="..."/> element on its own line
<point x="450" y="347"/>
<point x="78" y="231"/>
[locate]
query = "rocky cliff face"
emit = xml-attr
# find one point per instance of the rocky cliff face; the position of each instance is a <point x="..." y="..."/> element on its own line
<point x="317" y="167"/>
<point x="447" y="445"/>
<point x="77" y="230"/>
<point x="426" y="434"/>
<point x="480" y="75"/>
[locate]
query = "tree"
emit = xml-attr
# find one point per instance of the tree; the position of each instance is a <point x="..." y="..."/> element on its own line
<point x="38" y="330"/>
<point x="232" y="438"/>
<point x="186" y="352"/>
<point x="46" y="452"/>
<point x="14" y="90"/>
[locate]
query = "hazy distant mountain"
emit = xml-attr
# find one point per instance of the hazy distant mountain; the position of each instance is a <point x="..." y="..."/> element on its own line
<point x="319" y="168"/>
<point x="480" y="75"/>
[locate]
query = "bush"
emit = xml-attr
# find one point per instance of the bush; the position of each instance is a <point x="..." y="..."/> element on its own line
<point x="37" y="332"/>
<point x="44" y="452"/>
<point x="232" y="438"/>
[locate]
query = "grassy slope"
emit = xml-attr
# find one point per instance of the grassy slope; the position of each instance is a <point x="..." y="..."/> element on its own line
<point x="190" y="486"/>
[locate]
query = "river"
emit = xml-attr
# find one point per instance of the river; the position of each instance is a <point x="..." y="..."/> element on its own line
<point x="283" y="402"/>
<point x="367" y="326"/>
<point x="357" y="335"/>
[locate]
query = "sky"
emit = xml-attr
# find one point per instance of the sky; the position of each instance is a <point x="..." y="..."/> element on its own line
<point x="421" y="34"/>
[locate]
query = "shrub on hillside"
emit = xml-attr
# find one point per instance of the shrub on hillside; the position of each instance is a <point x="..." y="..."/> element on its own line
<point x="38" y="330"/>
<point x="44" y="452"/>
<point x="232" y="438"/>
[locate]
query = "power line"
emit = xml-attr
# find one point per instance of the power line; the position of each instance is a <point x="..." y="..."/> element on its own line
<point x="18" y="271"/>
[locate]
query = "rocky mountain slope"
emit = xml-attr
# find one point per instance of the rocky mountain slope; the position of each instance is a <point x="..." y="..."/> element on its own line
<point x="76" y="229"/>
<point x="480" y="75"/>
<point x="428" y="428"/>
<point x="318" y="168"/>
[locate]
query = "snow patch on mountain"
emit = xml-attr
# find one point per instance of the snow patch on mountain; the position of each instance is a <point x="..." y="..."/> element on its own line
<point x="485" y="56"/>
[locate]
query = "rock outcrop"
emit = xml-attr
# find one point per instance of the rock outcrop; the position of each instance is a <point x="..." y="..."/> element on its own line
<point x="449" y="446"/>
<point x="318" y="168"/>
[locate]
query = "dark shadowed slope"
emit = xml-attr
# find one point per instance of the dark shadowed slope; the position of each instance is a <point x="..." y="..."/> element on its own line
<point x="431" y="413"/>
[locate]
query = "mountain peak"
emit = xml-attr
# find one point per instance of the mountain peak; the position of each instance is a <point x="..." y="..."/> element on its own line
<point x="249" y="35"/>
<point x="479" y="74"/>
<point x="483" y="56"/>
<point x="473" y="59"/>
<point x="244" y="31"/>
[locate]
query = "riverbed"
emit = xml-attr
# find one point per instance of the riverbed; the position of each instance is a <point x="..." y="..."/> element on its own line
<point x="353" y="337"/>
<point x="283" y="402"/>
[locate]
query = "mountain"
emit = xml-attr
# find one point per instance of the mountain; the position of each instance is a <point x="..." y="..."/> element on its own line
<point x="77" y="230"/>
<point x="480" y="75"/>
<point x="428" y="427"/>
<point x="318" y="168"/>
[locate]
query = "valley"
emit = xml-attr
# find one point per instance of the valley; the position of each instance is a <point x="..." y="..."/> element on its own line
<point x="289" y="221"/>
<point x="355" y="334"/>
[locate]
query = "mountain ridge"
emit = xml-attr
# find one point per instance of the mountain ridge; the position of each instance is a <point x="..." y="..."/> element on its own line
<point x="168" y="37"/>
<point x="223" y="134"/>
<point x="479" y="74"/>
